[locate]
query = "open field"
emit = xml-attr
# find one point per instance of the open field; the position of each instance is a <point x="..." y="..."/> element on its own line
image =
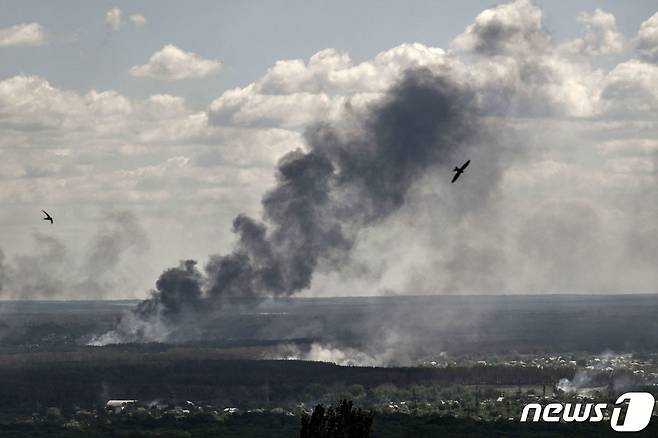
<point x="427" y="325"/>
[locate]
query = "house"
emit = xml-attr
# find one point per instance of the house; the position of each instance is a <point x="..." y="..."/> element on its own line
<point x="119" y="406"/>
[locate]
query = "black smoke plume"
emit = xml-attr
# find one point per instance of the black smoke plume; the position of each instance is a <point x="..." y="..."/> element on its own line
<point x="354" y="174"/>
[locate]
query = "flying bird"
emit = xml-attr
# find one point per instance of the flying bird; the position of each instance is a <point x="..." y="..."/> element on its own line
<point x="48" y="217"/>
<point x="459" y="170"/>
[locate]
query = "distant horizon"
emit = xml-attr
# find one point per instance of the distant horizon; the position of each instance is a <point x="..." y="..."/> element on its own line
<point x="343" y="297"/>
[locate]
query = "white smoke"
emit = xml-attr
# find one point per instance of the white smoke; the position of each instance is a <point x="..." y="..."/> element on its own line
<point x="330" y="353"/>
<point x="52" y="269"/>
<point x="580" y="380"/>
<point x="145" y="330"/>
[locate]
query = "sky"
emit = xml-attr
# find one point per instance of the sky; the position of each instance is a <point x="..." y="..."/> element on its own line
<point x="145" y="127"/>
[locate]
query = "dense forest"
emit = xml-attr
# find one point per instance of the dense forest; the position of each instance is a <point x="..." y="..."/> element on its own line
<point x="29" y="385"/>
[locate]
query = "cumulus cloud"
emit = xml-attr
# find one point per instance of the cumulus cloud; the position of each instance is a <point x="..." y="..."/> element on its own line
<point x="630" y="88"/>
<point x="293" y="93"/>
<point x="646" y="41"/>
<point x="113" y="18"/>
<point x="520" y="70"/>
<point x="29" y="34"/>
<point x="104" y="123"/>
<point x="509" y="28"/>
<point x="583" y="136"/>
<point x="32" y="102"/>
<point x="600" y="35"/>
<point x="333" y="72"/>
<point x="172" y="63"/>
<point x="516" y="70"/>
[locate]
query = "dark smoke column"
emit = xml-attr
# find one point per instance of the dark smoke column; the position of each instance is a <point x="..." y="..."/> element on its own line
<point x="354" y="174"/>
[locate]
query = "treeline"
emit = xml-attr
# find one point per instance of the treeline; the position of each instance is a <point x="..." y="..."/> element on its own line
<point x="282" y="426"/>
<point x="242" y="383"/>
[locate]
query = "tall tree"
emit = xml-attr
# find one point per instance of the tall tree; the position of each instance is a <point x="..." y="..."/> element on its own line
<point x="342" y="421"/>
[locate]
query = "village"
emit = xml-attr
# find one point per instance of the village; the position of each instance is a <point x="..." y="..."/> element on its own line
<point x="595" y="378"/>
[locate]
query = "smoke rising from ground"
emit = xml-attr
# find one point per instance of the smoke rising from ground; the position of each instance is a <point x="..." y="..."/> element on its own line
<point x="318" y="352"/>
<point x="53" y="270"/>
<point x="355" y="173"/>
<point x="565" y="206"/>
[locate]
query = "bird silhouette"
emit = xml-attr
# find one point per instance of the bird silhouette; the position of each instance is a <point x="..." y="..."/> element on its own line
<point x="48" y="217"/>
<point x="459" y="170"/>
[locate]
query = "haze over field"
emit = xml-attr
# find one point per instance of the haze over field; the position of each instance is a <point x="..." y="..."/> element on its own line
<point x="560" y="196"/>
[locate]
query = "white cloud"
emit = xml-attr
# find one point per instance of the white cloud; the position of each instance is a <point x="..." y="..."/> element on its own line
<point x="113" y="18"/>
<point x="172" y="63"/>
<point x="31" y="105"/>
<point x="600" y="35"/>
<point x="29" y="101"/>
<point x="333" y="72"/>
<point x="584" y="131"/>
<point x="518" y="69"/>
<point x="137" y="19"/>
<point x="510" y="28"/>
<point x="293" y="93"/>
<point x="632" y="88"/>
<point x="646" y="41"/>
<point x="629" y="146"/>
<point x="244" y="107"/>
<point x="32" y="34"/>
<point x="53" y="137"/>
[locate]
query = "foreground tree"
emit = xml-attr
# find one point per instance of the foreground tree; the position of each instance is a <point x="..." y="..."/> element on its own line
<point x="342" y="421"/>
